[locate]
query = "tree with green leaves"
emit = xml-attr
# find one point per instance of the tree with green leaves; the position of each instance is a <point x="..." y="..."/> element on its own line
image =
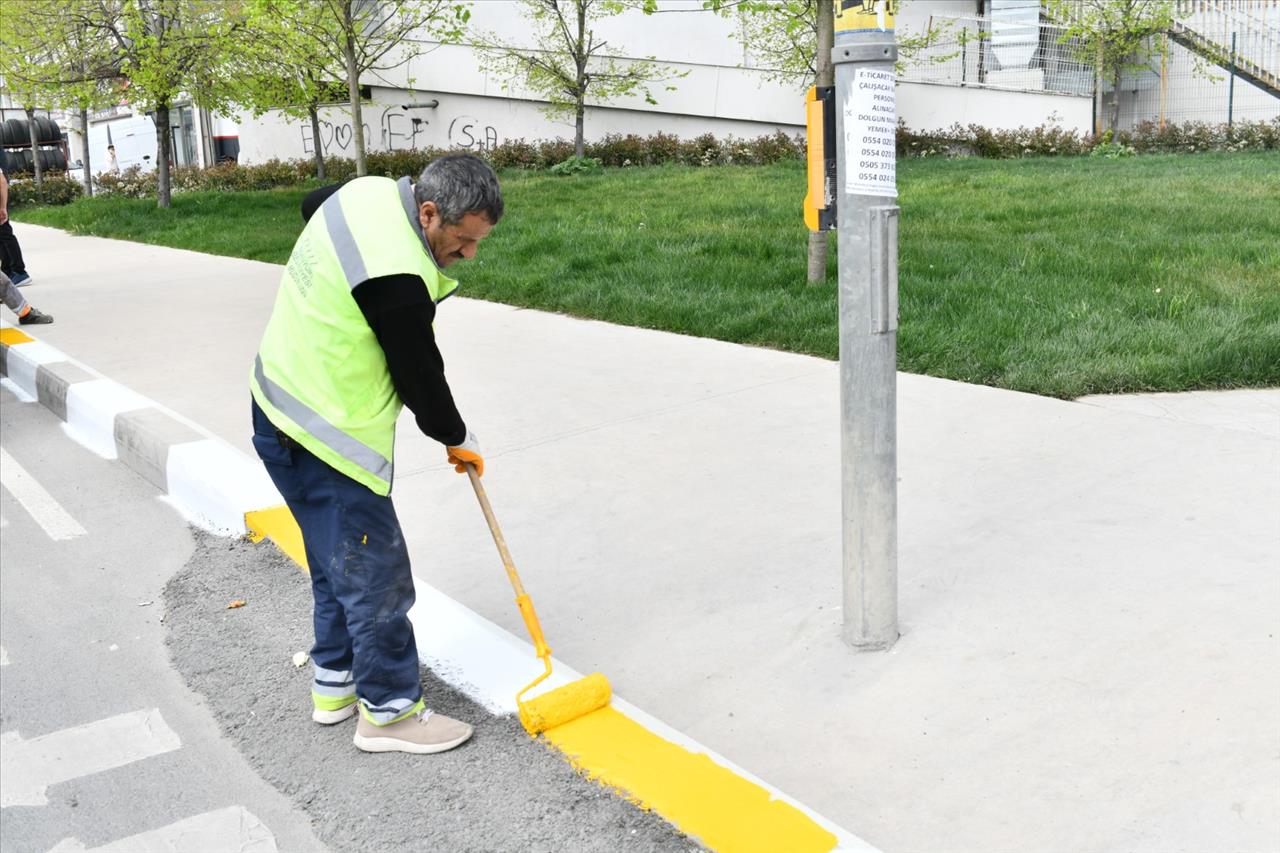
<point x="172" y="48"/>
<point x="568" y="64"/>
<point x="49" y="62"/>
<point x="283" y="68"/>
<point x="358" y="37"/>
<point x="25" y="64"/>
<point x="88" y="85"/>
<point x="153" y="52"/>
<point x="1116" y="36"/>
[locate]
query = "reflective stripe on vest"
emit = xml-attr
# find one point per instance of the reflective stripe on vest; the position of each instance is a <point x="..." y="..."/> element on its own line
<point x="344" y="243"/>
<point x="337" y="440"/>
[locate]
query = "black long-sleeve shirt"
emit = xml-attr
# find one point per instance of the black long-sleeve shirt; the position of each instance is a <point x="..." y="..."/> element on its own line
<point x="399" y="310"/>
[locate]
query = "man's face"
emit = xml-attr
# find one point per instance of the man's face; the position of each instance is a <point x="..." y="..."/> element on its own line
<point x="456" y="242"/>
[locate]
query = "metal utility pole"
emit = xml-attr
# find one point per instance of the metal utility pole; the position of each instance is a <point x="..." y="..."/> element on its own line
<point x="866" y="189"/>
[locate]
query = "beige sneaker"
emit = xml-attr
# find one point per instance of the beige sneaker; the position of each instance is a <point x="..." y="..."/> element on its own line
<point x="422" y="733"/>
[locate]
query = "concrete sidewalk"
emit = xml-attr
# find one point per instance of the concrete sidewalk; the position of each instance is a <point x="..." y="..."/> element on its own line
<point x="1090" y="596"/>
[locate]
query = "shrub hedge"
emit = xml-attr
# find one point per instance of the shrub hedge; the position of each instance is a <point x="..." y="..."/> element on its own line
<point x="59" y="188"/>
<point x="1048" y="140"/>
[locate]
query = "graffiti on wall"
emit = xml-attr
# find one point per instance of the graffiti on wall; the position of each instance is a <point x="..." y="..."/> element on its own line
<point x="398" y="131"/>
<point x="334" y="137"/>
<point x="467" y="132"/>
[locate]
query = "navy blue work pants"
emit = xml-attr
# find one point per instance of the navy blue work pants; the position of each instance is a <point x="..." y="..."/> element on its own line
<point x="11" y="262"/>
<point x="360" y="580"/>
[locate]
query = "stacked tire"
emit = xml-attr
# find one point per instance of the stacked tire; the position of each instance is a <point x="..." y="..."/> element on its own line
<point x="16" y="132"/>
<point x="12" y="162"/>
<point x="15" y="136"/>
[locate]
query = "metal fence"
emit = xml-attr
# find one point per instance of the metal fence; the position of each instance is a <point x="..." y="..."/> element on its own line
<point x="1017" y="56"/>
<point x="1182" y="86"/>
<point x="1193" y="74"/>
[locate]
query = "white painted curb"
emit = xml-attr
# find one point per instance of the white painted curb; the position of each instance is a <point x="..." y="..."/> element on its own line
<point x="208" y="481"/>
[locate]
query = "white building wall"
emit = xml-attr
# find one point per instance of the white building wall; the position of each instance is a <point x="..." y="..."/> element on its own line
<point x="474" y="123"/>
<point x="926" y="106"/>
<point x="477" y="108"/>
<point x="714" y="94"/>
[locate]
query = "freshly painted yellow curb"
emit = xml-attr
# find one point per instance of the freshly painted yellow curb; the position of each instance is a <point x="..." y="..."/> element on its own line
<point x="709" y="802"/>
<point x="10" y="336"/>
<point x="276" y="523"/>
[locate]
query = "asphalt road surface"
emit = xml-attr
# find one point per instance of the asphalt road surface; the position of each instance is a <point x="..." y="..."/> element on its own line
<point x="104" y="746"/>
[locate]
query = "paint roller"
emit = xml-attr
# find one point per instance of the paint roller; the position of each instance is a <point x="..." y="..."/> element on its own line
<point x="563" y="704"/>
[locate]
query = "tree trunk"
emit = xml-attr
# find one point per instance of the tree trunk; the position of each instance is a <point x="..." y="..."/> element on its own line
<point x="84" y="128"/>
<point x="84" y="152"/>
<point x="579" y="146"/>
<point x="353" y="91"/>
<point x="35" y="150"/>
<point x="580" y="58"/>
<point x="1097" y="92"/>
<point x="1115" y="105"/>
<point x="317" y="144"/>
<point x="820" y="240"/>
<point x="163" y="185"/>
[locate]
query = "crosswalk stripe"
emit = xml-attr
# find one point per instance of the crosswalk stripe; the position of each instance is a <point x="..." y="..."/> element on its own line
<point x="4" y="657"/>
<point x="29" y="767"/>
<point x="233" y="830"/>
<point x="47" y="512"/>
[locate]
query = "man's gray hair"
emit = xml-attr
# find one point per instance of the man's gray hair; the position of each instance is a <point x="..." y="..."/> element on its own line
<point x="460" y="184"/>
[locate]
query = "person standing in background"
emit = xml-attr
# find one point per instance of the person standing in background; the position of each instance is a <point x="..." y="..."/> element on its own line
<point x="11" y="263"/>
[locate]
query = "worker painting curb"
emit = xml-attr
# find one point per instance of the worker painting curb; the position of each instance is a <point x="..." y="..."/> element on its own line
<point x="221" y="489"/>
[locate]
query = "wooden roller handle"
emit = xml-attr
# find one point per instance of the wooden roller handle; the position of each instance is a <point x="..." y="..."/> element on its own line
<point x="507" y="562"/>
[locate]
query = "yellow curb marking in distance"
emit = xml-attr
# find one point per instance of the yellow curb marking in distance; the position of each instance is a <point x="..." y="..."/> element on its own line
<point x="704" y="800"/>
<point x="9" y="337"/>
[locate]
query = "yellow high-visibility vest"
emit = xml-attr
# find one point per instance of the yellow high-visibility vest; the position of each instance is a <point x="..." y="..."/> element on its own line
<point x="321" y="376"/>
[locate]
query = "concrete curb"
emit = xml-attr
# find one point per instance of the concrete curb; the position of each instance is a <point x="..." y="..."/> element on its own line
<point x="209" y="482"/>
<point x="222" y="490"/>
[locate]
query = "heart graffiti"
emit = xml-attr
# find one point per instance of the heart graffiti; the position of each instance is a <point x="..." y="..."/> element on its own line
<point x="330" y="134"/>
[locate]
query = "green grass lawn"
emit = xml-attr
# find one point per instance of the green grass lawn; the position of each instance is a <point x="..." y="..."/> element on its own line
<point x="1055" y="276"/>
